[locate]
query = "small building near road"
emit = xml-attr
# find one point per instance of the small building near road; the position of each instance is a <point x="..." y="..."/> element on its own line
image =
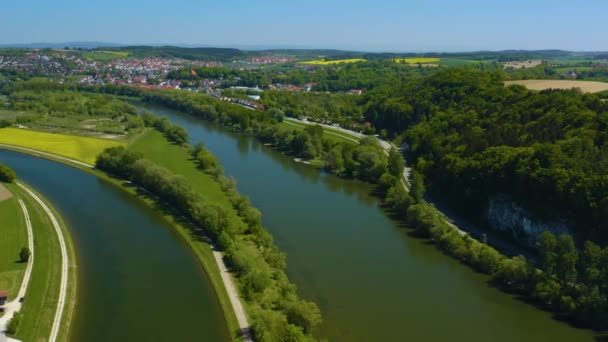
<point x="3" y="297"/>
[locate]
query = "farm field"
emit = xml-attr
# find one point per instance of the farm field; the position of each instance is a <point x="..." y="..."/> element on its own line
<point x="585" y="86"/>
<point x="420" y="60"/>
<point x="454" y="62"/>
<point x="573" y="68"/>
<point x="337" y="61"/>
<point x="79" y="148"/>
<point x="522" y="64"/>
<point x="104" y="55"/>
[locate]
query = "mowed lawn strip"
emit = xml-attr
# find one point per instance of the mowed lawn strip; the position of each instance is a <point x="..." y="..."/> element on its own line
<point x="13" y="237"/>
<point x="79" y="148"/>
<point x="42" y="294"/>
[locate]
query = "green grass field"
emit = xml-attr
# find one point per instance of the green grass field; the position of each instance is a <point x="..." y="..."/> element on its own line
<point x="455" y="62"/>
<point x="104" y="56"/>
<point x="337" y="61"/>
<point x="572" y="68"/>
<point x="79" y="148"/>
<point x="331" y="134"/>
<point x="14" y="237"/>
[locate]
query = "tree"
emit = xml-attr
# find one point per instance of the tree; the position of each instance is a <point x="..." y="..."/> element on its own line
<point x="24" y="254"/>
<point x="304" y="314"/>
<point x="395" y="163"/>
<point x="417" y="189"/>
<point x="547" y="248"/>
<point x="567" y="256"/>
<point x="196" y="149"/>
<point x="7" y="174"/>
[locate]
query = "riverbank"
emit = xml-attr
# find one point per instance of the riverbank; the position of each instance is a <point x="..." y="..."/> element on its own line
<point x="51" y="292"/>
<point x="203" y="252"/>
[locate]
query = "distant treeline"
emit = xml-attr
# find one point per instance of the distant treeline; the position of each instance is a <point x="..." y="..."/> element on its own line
<point x="198" y="53"/>
<point x="276" y="311"/>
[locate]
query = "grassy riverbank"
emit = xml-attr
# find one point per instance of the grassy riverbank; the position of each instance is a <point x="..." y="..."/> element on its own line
<point x="14" y="237"/>
<point x="43" y="291"/>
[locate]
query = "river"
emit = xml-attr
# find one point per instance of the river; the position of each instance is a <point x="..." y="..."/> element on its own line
<point x="372" y="281"/>
<point x="137" y="281"/>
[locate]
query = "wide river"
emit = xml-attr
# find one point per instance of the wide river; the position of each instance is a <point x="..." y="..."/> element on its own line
<point x="371" y="280"/>
<point x="137" y="281"/>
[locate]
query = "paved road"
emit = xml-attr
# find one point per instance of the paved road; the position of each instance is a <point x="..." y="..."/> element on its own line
<point x="64" y="265"/>
<point x="15" y="305"/>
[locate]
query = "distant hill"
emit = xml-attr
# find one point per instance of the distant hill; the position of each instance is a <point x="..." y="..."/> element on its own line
<point x="76" y="45"/>
<point x="195" y="53"/>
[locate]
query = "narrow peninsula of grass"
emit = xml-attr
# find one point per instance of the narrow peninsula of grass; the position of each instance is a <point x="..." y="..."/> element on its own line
<point x="14" y="237"/>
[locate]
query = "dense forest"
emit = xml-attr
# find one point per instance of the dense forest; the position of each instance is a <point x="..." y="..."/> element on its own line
<point x="473" y="138"/>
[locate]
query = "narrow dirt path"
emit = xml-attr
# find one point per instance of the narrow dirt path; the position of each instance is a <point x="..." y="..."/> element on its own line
<point x="241" y="317"/>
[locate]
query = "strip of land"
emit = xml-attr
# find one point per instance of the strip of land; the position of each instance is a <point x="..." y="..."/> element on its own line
<point x="585" y="86"/>
<point x="15" y="305"/>
<point x="64" y="265"/>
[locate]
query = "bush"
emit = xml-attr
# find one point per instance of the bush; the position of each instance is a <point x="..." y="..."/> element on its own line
<point x="7" y="174"/>
<point x="24" y="255"/>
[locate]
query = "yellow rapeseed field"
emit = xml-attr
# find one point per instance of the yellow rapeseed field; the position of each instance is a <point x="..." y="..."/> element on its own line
<point x="79" y="148"/>
<point x="337" y="61"/>
<point x="420" y="60"/>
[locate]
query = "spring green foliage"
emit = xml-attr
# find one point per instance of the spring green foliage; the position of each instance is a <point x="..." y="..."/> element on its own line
<point x="7" y="174"/>
<point x="474" y="138"/>
<point x="276" y="312"/>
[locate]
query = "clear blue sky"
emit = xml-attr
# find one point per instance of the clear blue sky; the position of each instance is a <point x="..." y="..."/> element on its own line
<point x="376" y="25"/>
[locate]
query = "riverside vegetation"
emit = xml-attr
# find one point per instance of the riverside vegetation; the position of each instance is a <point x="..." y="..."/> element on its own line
<point x="276" y="311"/>
<point x="544" y="150"/>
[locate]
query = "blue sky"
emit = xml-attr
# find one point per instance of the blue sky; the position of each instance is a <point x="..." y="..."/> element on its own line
<point x="389" y="25"/>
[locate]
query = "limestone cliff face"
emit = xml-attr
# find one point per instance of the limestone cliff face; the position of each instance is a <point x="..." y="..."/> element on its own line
<point x="506" y="215"/>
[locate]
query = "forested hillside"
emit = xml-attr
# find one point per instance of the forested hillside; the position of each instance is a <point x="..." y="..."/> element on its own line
<point x="473" y="138"/>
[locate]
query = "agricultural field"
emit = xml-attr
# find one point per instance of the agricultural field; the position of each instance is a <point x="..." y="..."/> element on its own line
<point x="104" y="56"/>
<point x="585" y="86"/>
<point x="455" y="62"/>
<point x="572" y="68"/>
<point x="418" y="60"/>
<point x="522" y="64"/>
<point x="337" y="61"/>
<point x="83" y="149"/>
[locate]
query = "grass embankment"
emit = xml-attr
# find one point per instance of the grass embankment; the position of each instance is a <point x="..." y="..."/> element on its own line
<point x="42" y="294"/>
<point x="79" y="148"/>
<point x="585" y="86"/>
<point x="14" y="237"/>
<point x="330" y="134"/>
<point x="337" y="61"/>
<point x="156" y="148"/>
